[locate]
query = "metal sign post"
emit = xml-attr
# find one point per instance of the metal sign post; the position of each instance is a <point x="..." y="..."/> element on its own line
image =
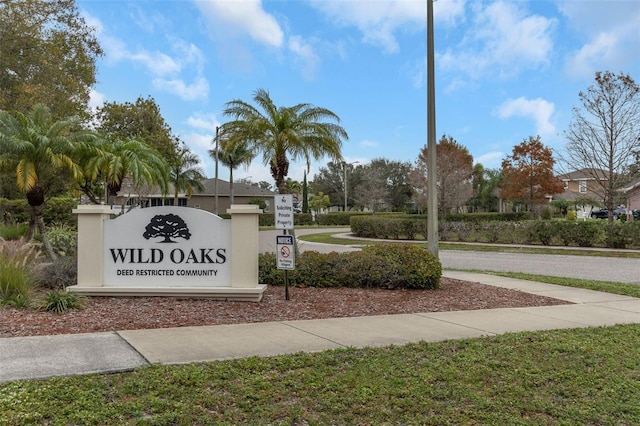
<point x="286" y="258"/>
<point x="285" y="248"/>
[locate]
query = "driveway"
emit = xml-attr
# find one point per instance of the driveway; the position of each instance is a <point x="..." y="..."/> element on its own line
<point x="583" y="267"/>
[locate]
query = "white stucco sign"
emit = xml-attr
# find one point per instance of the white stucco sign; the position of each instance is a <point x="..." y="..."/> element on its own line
<point x="167" y="246"/>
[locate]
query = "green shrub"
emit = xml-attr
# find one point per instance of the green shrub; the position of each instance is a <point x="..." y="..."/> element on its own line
<point x="60" y="301"/>
<point x="544" y="231"/>
<point x="586" y="233"/>
<point x="546" y="214"/>
<point x="617" y="235"/>
<point x="357" y="270"/>
<point x="317" y="269"/>
<point x="64" y="242"/>
<point x="418" y="268"/>
<point x="58" y="210"/>
<point x="301" y="219"/>
<point x="13" y="232"/>
<point x="382" y="266"/>
<point x="572" y="215"/>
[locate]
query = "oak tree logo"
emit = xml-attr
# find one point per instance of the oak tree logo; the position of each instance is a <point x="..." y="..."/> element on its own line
<point x="167" y="226"/>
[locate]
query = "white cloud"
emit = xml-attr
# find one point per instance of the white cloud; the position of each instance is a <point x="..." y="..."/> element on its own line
<point x="538" y="109"/>
<point x="189" y="92"/>
<point x="305" y="56"/>
<point x="378" y="21"/>
<point x="207" y="122"/>
<point x="503" y="41"/>
<point x="248" y="17"/>
<point x="368" y="144"/>
<point x="490" y="160"/>
<point x="610" y="33"/>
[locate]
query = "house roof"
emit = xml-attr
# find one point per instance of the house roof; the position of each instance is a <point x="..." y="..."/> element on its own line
<point x="586" y="173"/>
<point x="239" y="189"/>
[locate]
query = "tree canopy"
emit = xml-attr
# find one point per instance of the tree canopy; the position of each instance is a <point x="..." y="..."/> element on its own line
<point x="48" y="55"/>
<point x="528" y="174"/>
<point x="454" y="179"/>
<point x="282" y="134"/>
<point x="141" y="120"/>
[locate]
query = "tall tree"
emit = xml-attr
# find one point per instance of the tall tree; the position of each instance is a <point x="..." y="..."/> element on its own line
<point x="454" y="179"/>
<point x="485" y="185"/>
<point x="528" y="174"/>
<point x="330" y="181"/>
<point x="185" y="173"/>
<point x="48" y="55"/>
<point x="232" y="155"/>
<point x="282" y="134"/>
<point x="605" y="134"/>
<point x="141" y="120"/>
<point x="38" y="148"/>
<point x="382" y="184"/>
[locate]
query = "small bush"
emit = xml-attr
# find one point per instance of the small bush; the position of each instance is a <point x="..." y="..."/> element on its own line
<point x="58" y="274"/>
<point x="60" y="301"/>
<point x="572" y="215"/>
<point x="13" y="232"/>
<point x="418" y="268"/>
<point x="63" y="241"/>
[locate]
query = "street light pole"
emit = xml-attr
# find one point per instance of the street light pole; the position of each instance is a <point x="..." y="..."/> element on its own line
<point x="216" y="183"/>
<point x="432" y="189"/>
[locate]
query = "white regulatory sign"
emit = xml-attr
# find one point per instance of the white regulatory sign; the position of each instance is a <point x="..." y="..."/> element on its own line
<point x="286" y="255"/>
<point x="284" y="211"/>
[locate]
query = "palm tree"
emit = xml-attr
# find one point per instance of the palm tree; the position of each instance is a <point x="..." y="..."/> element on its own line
<point x="38" y="149"/>
<point x="185" y="174"/>
<point x="233" y="155"/>
<point x="282" y="134"/>
<point x="117" y="159"/>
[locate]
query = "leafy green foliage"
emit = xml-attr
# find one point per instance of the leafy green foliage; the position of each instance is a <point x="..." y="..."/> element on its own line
<point x="382" y="266"/>
<point x="63" y="241"/>
<point x="48" y="56"/>
<point x="59" y="301"/>
<point x="13" y="232"/>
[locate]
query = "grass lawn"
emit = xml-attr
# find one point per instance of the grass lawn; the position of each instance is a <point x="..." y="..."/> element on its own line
<point x="559" y="377"/>
<point x="582" y="376"/>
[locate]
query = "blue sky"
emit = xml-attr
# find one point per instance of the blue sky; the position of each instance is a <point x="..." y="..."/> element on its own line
<point x="505" y="70"/>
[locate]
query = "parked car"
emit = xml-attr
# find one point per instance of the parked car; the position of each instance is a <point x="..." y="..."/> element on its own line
<point x="600" y="214"/>
<point x="604" y="213"/>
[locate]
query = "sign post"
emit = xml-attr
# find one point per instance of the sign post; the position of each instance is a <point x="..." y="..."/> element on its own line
<point x="285" y="243"/>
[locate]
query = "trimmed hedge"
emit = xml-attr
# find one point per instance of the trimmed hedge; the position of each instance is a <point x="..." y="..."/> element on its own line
<point x="386" y="266"/>
<point x="590" y="233"/>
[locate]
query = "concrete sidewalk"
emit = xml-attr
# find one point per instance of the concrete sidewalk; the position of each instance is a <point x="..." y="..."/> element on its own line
<point x="48" y="356"/>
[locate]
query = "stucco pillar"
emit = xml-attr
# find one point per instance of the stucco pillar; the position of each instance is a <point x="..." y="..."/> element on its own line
<point x="244" y="245"/>
<point x="91" y="220"/>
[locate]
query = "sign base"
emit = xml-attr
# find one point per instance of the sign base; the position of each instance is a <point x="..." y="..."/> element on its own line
<point x="239" y="294"/>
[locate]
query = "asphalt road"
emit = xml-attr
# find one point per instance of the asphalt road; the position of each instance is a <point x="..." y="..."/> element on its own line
<point x="584" y="267"/>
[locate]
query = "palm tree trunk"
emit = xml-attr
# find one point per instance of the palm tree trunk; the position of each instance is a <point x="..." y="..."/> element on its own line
<point x="230" y="186"/>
